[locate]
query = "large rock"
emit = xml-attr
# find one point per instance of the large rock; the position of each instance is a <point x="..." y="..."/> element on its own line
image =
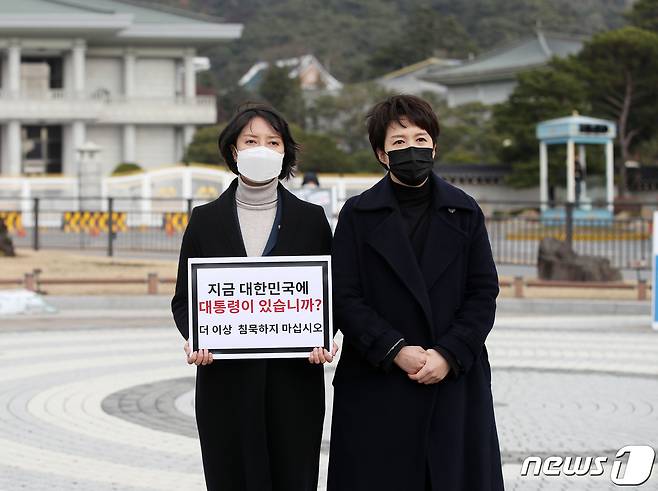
<point x="6" y="245"/>
<point x="557" y="261"/>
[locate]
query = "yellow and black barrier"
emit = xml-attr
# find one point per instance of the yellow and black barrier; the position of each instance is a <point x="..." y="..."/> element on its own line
<point x="175" y="221"/>
<point x="93" y="222"/>
<point x="13" y="221"/>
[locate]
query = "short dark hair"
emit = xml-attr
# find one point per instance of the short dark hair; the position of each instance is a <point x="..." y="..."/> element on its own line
<point x="415" y="109"/>
<point x="245" y="113"/>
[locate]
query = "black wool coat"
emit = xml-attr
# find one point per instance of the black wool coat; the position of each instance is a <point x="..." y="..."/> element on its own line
<point x="388" y="431"/>
<point x="259" y="420"/>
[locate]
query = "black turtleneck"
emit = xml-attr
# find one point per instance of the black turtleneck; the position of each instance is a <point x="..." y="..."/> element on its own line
<point x="414" y="206"/>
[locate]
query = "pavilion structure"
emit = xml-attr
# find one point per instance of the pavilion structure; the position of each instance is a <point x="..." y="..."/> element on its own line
<point x="576" y="132"/>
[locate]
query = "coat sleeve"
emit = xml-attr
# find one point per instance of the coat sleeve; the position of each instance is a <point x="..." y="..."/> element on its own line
<point x="179" y="301"/>
<point x="475" y="317"/>
<point x="371" y="335"/>
<point x="326" y="236"/>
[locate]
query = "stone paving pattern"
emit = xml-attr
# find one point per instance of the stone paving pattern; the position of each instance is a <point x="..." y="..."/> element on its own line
<point x="106" y="403"/>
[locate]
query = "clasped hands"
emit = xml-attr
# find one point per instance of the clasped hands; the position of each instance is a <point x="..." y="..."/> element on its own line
<point x="423" y="366"/>
<point x="204" y="356"/>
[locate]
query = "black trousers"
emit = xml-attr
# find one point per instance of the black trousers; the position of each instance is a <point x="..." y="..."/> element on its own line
<point x="260" y="424"/>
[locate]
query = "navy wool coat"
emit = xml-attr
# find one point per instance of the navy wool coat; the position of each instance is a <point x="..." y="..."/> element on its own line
<point x="388" y="431"/>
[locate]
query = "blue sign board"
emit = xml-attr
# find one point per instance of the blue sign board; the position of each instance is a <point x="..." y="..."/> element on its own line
<point x="654" y="276"/>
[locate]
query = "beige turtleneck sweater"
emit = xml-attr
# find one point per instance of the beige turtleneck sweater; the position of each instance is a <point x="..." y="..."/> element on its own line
<point x="256" y="212"/>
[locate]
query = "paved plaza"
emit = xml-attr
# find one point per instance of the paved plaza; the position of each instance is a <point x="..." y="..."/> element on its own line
<point x="102" y="400"/>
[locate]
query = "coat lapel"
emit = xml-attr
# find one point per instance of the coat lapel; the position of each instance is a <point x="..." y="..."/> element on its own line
<point x="289" y="219"/>
<point x="389" y="239"/>
<point x="226" y="222"/>
<point x="445" y="238"/>
<point x="228" y="227"/>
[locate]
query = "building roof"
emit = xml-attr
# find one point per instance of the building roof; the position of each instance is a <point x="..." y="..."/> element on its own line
<point x="581" y="129"/>
<point x="506" y="61"/>
<point x="252" y="78"/>
<point x="420" y="67"/>
<point x="112" y="21"/>
<point x="410" y="79"/>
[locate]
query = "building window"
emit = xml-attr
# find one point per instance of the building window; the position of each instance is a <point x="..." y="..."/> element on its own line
<point x="42" y="149"/>
<point x="39" y="72"/>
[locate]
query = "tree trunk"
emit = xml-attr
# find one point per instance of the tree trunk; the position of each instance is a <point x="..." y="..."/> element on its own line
<point x="624" y="135"/>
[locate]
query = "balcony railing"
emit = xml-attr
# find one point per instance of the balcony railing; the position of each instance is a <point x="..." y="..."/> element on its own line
<point x="102" y="96"/>
<point x="102" y="106"/>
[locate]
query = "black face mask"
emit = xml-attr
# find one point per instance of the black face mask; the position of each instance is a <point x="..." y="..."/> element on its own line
<point x="411" y="165"/>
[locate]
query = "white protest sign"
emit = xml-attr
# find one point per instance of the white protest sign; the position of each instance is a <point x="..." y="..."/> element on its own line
<point x="325" y="197"/>
<point x="260" y="307"/>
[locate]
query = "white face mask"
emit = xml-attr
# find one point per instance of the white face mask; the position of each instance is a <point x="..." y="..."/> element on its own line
<point x="259" y="164"/>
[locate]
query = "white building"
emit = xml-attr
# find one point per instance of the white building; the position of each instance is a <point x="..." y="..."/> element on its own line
<point x="113" y="72"/>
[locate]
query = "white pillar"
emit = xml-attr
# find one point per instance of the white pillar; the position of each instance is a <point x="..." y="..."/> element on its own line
<point x="178" y="147"/>
<point x="188" y="135"/>
<point x="78" y="134"/>
<point x="342" y="190"/>
<point x="147" y="216"/>
<point x="129" y="73"/>
<point x="77" y="139"/>
<point x="13" y="144"/>
<point x="190" y="76"/>
<point x="26" y="203"/>
<point x="543" y="175"/>
<point x="129" y="143"/>
<point x="582" y="158"/>
<point x="187" y="183"/>
<point x="609" y="175"/>
<point x="14" y="68"/>
<point x="571" y="181"/>
<point x="4" y="163"/>
<point x="104" y="187"/>
<point x="79" y="48"/>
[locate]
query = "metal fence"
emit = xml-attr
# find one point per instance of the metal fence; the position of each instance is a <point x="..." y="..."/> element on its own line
<point x="516" y="230"/>
<point x="157" y="224"/>
<point x="109" y="224"/>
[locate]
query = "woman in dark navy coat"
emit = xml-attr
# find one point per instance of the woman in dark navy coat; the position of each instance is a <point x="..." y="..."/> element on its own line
<point x="259" y="420"/>
<point x="415" y="289"/>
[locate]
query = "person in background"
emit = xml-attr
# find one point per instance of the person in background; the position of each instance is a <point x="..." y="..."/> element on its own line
<point x="414" y="291"/>
<point x="310" y="180"/>
<point x="259" y="420"/>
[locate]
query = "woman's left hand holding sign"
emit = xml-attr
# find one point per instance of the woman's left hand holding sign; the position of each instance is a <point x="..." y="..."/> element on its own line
<point x="321" y="355"/>
<point x="201" y="357"/>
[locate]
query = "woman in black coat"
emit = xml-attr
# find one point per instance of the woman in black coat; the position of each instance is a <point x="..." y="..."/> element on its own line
<point x="259" y="420"/>
<point x="415" y="289"/>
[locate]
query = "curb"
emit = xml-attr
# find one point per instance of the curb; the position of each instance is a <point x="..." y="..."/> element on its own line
<point x="579" y="306"/>
<point x="155" y="303"/>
